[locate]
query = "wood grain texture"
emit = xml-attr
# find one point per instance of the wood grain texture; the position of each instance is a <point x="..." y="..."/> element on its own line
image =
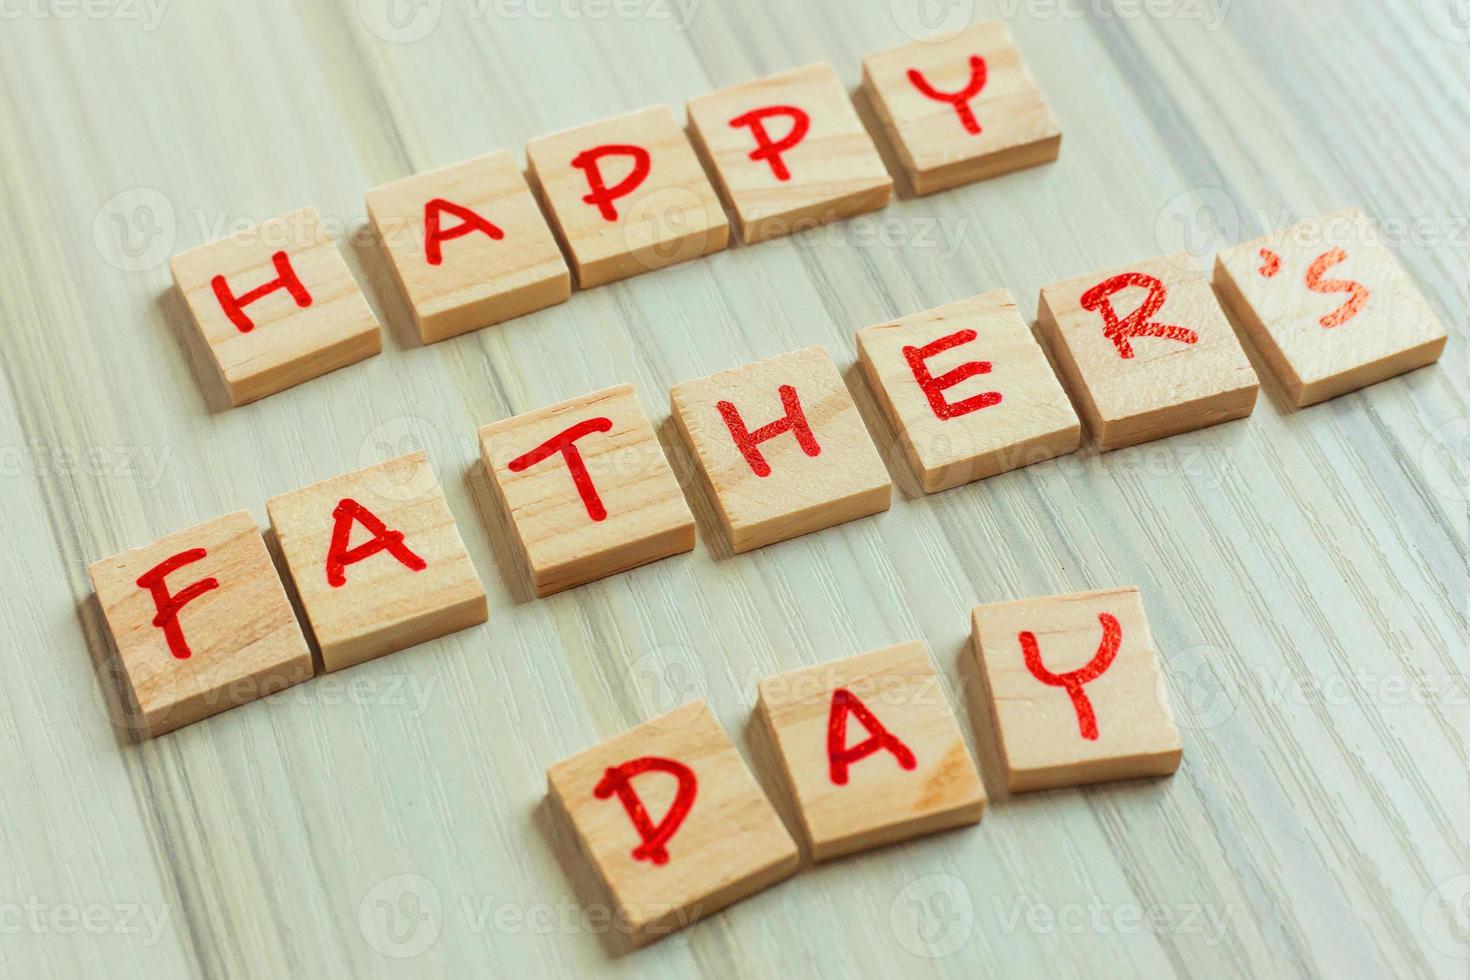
<point x="1309" y="566"/>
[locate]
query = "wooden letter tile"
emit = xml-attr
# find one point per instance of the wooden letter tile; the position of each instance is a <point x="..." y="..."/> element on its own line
<point x="673" y="821"/>
<point x="377" y="560"/>
<point x="1146" y="351"/>
<point x="276" y="306"/>
<point x="469" y="246"/>
<point x="962" y="109"/>
<point x="871" y="750"/>
<point x="782" y="448"/>
<point x="201" y="623"/>
<point x="587" y="488"/>
<point x="1329" y="307"/>
<point x="1075" y="690"/>
<point x="968" y="390"/>
<point x="627" y="195"/>
<point x="789" y="152"/>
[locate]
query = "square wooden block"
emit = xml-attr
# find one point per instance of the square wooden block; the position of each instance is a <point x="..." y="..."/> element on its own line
<point x="673" y="821"/>
<point x="627" y="195"/>
<point x="1076" y="694"/>
<point x="789" y="152"/>
<point x="781" y="447"/>
<point x="469" y="245"/>
<point x="1146" y="351"/>
<point x="961" y="109"/>
<point x="587" y="488"/>
<point x="1329" y="307"/>
<point x="377" y="560"/>
<point x="968" y="390"/>
<point x="871" y="750"/>
<point x="201" y="623"/>
<point x="276" y="306"/>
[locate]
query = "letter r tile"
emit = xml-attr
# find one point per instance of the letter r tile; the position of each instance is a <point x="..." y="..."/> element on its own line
<point x="1075" y="690"/>
<point x="587" y="489"/>
<point x="201" y="623"/>
<point x="377" y="560"/>
<point x="968" y="390"/>
<point x="627" y="195"/>
<point x="871" y="750"/>
<point x="276" y="306"/>
<point x="672" y="820"/>
<point x="781" y="447"/>
<point x="961" y="109"/>
<point x="1146" y="351"/>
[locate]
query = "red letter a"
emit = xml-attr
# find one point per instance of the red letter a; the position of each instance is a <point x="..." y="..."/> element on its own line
<point x="839" y="755"/>
<point x="168" y="604"/>
<point x="619" y="780"/>
<point x="339" y="556"/>
<point x="794" y="421"/>
<point x="601" y="195"/>
<point x="469" y="221"/>
<point x="768" y="149"/>
<point x="961" y="99"/>
<point x="234" y="306"/>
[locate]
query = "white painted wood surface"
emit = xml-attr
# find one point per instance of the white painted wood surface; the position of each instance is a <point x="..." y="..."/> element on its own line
<point x="1304" y="571"/>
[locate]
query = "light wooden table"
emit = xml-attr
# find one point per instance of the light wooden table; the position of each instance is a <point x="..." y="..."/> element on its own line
<point x="1304" y="571"/>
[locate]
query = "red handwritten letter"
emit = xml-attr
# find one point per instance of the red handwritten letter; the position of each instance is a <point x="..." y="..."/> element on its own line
<point x="435" y="235"/>
<point x="794" y="421"/>
<point x="565" y="442"/>
<point x="234" y="306"/>
<point x="1317" y="284"/>
<point x="768" y="149"/>
<point x="934" y="388"/>
<point x="619" y="780"/>
<point x="339" y="555"/>
<point x="840" y="755"/>
<point x="168" y="604"/>
<point x="1107" y="649"/>
<point x="1137" y="323"/>
<point x="961" y="99"/>
<point x="602" y="196"/>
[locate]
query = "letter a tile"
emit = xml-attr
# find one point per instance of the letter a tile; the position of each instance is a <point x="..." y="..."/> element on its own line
<point x="377" y="560"/>
<point x="276" y="306"/>
<point x="587" y="488"/>
<point x="627" y="195"/>
<point x="673" y="821"/>
<point x="961" y="109"/>
<point x="871" y="750"/>
<point x="1075" y="690"/>
<point x="968" y="390"/>
<point x="1146" y="351"/>
<point x="789" y="152"/>
<point x="201" y="623"/>
<point x="781" y="447"/>
<point x="1329" y="307"/>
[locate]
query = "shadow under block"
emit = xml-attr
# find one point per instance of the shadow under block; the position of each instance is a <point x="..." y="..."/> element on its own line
<point x="1146" y="351"/>
<point x="968" y="390"/>
<point x="276" y="306"/>
<point x="781" y="447"/>
<point x="627" y="195"/>
<point x="1328" y="307"/>
<point x="711" y="837"/>
<point x="871" y="750"/>
<point x="789" y="152"/>
<point x="587" y="489"/>
<point x="1075" y="690"/>
<point x="201" y="623"/>
<point x="491" y="255"/>
<point x="377" y="560"/>
<point x="961" y="109"/>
